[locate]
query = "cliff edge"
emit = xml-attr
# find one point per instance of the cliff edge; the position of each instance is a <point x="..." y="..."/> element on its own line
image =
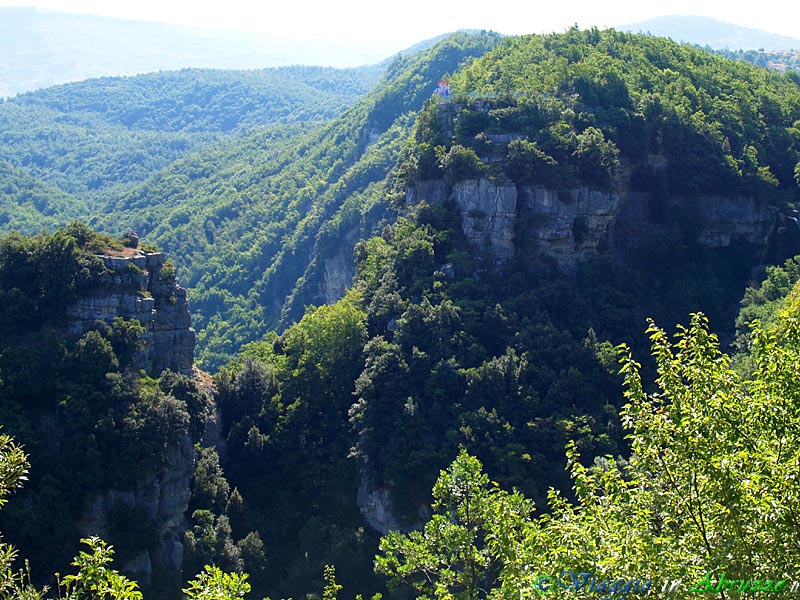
<point x="142" y="287"/>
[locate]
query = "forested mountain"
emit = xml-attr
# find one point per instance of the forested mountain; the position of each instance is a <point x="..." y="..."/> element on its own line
<point x="732" y="41"/>
<point x="96" y="384"/>
<point x="571" y="186"/>
<point x="94" y="140"/>
<point x="480" y="248"/>
<point x="215" y="201"/>
<point x="265" y="226"/>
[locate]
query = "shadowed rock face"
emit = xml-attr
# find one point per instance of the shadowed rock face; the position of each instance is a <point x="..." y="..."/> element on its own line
<point x="163" y="498"/>
<point x="143" y="288"/>
<point x="503" y="218"/>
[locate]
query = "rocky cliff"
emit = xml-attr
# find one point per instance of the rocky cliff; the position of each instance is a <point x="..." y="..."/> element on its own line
<point x="142" y="287"/>
<point x="570" y="225"/>
<point x="162" y="499"/>
<point x="502" y="217"/>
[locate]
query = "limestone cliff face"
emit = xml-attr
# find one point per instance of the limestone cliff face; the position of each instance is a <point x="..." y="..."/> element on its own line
<point x="488" y="214"/>
<point x="142" y="287"/>
<point x="163" y="498"/>
<point x="570" y="225"/>
<point x="503" y="218"/>
<point x="727" y="220"/>
<point x="375" y="504"/>
<point x="338" y="267"/>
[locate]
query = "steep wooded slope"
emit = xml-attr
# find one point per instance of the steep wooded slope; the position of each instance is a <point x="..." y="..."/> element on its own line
<point x="336" y="428"/>
<point x="96" y="139"/>
<point x="444" y="342"/>
<point x="267" y="224"/>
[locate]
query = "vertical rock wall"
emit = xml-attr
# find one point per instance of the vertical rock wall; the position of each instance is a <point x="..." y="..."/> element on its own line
<point x="142" y="287"/>
<point x="501" y="217"/>
<point x="162" y="498"/>
<point x="488" y="215"/>
<point x="573" y="224"/>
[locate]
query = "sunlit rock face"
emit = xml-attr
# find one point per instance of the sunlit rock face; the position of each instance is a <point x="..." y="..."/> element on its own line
<point x="142" y="287"/>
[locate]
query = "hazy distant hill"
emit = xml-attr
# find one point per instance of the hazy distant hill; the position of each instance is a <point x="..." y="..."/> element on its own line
<point x="44" y="48"/>
<point x="708" y="31"/>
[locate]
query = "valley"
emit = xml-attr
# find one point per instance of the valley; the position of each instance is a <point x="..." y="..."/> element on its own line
<point x="372" y="340"/>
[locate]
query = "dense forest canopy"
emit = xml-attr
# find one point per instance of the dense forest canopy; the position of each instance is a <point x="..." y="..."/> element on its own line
<point x="82" y="145"/>
<point x="585" y="100"/>
<point x="207" y="100"/>
<point x="250" y="224"/>
<point x="724" y="127"/>
<point x="700" y="506"/>
<point x="284" y="407"/>
<point x="170" y="154"/>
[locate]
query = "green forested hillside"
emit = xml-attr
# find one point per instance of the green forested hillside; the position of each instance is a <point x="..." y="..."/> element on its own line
<point x="699" y="507"/>
<point x="89" y="419"/>
<point x="250" y="223"/>
<point x="207" y="100"/>
<point x="28" y="204"/>
<point x="435" y="350"/>
<point x="96" y="139"/>
<point x="335" y="426"/>
<point x="723" y="127"/>
<point x="583" y="99"/>
<point x="629" y="529"/>
<point x="243" y="213"/>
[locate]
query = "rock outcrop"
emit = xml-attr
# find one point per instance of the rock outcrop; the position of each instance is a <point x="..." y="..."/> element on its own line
<point x="568" y="225"/>
<point x="375" y="504"/>
<point x="488" y="215"/>
<point x="571" y="225"/>
<point x="503" y="218"/>
<point x="142" y="287"/>
<point x="162" y="499"/>
<point x="724" y="220"/>
<point x="337" y="266"/>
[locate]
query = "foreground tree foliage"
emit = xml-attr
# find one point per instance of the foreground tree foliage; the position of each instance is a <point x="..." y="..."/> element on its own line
<point x="462" y="551"/>
<point x="711" y="487"/>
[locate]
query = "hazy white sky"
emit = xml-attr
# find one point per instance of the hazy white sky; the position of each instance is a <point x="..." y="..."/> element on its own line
<point x="404" y="22"/>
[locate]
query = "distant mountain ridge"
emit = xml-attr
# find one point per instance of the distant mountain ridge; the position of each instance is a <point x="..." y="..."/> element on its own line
<point x="67" y="149"/>
<point x="45" y="48"/>
<point x="712" y="32"/>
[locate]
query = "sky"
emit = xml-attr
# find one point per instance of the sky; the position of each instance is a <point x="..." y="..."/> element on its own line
<point x="398" y="24"/>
